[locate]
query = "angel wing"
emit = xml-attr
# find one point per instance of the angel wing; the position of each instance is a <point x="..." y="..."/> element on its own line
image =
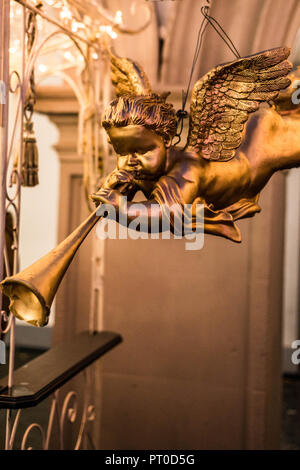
<point x="284" y="103"/>
<point x="223" y="98"/>
<point x="128" y="77"/>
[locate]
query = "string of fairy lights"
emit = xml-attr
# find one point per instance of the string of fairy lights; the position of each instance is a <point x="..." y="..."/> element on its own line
<point x="88" y="26"/>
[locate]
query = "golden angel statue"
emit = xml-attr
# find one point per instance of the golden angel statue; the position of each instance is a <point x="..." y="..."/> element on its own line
<point x="226" y="162"/>
<point x="228" y="158"/>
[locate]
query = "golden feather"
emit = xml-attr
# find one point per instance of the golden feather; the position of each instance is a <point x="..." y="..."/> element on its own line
<point x="222" y="100"/>
<point x="128" y="77"/>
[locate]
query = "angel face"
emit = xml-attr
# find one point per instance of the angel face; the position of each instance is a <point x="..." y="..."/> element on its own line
<point x="140" y="151"/>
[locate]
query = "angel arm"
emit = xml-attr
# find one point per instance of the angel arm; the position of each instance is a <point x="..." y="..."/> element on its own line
<point x="155" y="216"/>
<point x="166" y="211"/>
<point x="150" y="213"/>
<point x="223" y="99"/>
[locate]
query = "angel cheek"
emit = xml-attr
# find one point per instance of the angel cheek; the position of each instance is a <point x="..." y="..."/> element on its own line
<point x="139" y="148"/>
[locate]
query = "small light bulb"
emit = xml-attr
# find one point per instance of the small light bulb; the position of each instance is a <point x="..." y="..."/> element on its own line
<point x="95" y="55"/>
<point x="119" y="17"/>
<point x="108" y="29"/>
<point x="74" y="26"/>
<point x="87" y="20"/>
<point x="65" y="14"/>
<point x="68" y="55"/>
<point x="42" y="68"/>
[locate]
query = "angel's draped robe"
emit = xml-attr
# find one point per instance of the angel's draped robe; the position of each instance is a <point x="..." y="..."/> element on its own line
<point x="167" y="193"/>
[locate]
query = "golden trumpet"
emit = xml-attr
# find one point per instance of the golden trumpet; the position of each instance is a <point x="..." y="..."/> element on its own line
<point x="31" y="291"/>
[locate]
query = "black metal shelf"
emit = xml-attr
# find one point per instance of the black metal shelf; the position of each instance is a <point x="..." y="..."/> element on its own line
<point x="40" y="377"/>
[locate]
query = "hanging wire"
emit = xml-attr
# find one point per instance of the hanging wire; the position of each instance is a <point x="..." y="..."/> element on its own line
<point x="223" y="35"/>
<point x="181" y="113"/>
<point x="207" y="19"/>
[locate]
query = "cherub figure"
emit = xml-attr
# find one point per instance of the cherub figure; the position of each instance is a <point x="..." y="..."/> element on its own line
<point x="224" y="164"/>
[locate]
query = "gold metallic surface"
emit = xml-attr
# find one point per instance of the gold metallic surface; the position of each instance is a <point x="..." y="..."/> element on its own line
<point x="128" y="77"/>
<point x="284" y="104"/>
<point x="31" y="291"/>
<point x="30" y="157"/>
<point x="225" y="164"/>
<point x="222" y="100"/>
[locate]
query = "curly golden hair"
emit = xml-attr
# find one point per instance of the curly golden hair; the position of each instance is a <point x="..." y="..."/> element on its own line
<point x="150" y="111"/>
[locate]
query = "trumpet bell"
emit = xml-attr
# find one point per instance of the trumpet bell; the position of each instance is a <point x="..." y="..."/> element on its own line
<point x="26" y="303"/>
<point x="31" y="291"/>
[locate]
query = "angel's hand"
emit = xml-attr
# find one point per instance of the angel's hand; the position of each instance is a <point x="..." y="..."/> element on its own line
<point x="107" y="196"/>
<point x="117" y="179"/>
